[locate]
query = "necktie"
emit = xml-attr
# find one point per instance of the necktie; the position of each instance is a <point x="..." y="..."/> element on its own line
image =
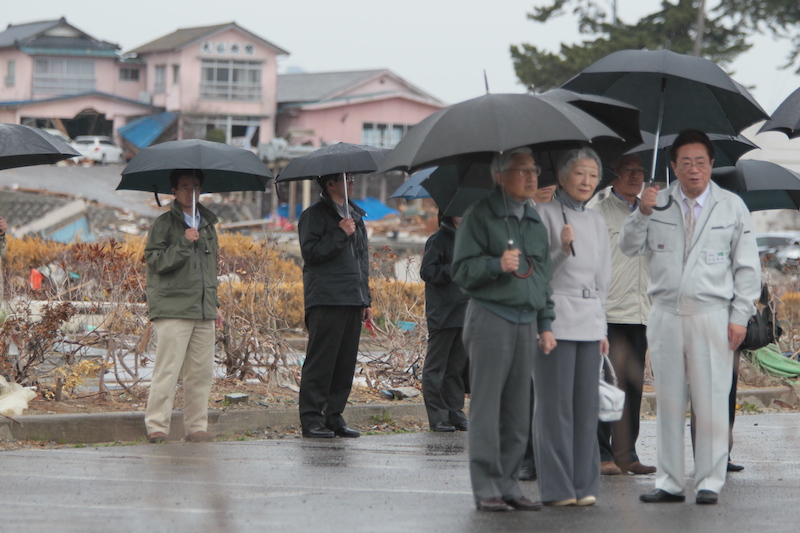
<point x="688" y="227"/>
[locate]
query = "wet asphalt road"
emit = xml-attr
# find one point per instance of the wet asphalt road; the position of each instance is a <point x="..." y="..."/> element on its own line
<point x="388" y="483"/>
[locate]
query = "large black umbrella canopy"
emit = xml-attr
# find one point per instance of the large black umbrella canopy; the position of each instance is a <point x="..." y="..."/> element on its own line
<point x="334" y="159"/>
<point x="696" y="93"/>
<point x="226" y="168"/>
<point x="727" y="151"/>
<point x="494" y="123"/>
<point x="621" y="117"/>
<point x="23" y="146"/>
<point x="761" y="184"/>
<point x="786" y="118"/>
<point x="454" y="189"/>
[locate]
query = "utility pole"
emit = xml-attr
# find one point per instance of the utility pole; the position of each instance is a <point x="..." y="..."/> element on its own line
<point x="700" y="28"/>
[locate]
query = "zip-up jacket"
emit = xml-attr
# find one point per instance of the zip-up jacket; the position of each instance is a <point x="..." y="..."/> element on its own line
<point x="481" y="239"/>
<point x="628" y="302"/>
<point x="182" y="275"/>
<point x="445" y="302"/>
<point x="335" y="265"/>
<point x="722" y="270"/>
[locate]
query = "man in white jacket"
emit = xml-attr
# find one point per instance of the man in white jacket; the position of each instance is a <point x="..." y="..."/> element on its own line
<point x="704" y="277"/>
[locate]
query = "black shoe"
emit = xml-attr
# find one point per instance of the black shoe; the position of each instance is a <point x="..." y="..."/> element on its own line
<point x="734" y="468"/>
<point x="346" y="432"/>
<point x="493" y="505"/>
<point x="706" y="497"/>
<point x="445" y="427"/>
<point x="661" y="496"/>
<point x="527" y="473"/>
<point x="461" y="427"/>
<point x="524" y="504"/>
<point x="318" y="433"/>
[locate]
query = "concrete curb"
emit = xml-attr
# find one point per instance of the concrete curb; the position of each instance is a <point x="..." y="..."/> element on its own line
<point x="129" y="426"/>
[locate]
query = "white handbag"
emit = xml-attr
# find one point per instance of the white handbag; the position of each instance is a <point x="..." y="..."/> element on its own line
<point x="612" y="399"/>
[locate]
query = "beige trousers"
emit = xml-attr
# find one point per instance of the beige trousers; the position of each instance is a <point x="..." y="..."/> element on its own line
<point x="185" y="350"/>
<point x="691" y="349"/>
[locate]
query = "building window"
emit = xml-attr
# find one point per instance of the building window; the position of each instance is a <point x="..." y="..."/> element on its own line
<point x="53" y="75"/>
<point x="11" y="73"/>
<point x="129" y="74"/>
<point x="160" y="81"/>
<point x="382" y="135"/>
<point x="230" y="80"/>
<point x="176" y="74"/>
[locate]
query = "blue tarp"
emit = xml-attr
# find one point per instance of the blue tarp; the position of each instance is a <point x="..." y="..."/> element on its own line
<point x="143" y="131"/>
<point x="374" y="208"/>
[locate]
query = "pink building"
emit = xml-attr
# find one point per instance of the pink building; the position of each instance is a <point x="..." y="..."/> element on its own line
<point x="372" y="107"/>
<point x="217" y="77"/>
<point x="56" y="75"/>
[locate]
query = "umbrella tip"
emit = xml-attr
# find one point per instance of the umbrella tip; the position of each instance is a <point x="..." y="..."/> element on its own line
<point x="486" y="81"/>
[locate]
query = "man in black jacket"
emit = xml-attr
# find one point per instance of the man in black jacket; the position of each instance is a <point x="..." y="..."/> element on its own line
<point x="333" y="242"/>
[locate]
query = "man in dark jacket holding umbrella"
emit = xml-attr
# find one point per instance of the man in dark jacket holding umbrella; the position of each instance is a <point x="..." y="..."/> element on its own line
<point x="333" y="242"/>
<point x="181" y="256"/>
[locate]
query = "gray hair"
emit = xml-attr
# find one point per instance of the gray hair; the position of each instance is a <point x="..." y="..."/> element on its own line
<point x="575" y="155"/>
<point x="502" y="160"/>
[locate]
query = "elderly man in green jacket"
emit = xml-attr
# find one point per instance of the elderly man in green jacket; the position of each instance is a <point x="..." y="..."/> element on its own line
<point x="181" y="255"/>
<point x="506" y="312"/>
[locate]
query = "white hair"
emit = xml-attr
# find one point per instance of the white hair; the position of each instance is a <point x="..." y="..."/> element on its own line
<point x="575" y="155"/>
<point x="502" y="160"/>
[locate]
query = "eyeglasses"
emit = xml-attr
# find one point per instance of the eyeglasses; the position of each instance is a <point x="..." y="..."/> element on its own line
<point x="631" y="170"/>
<point x="686" y="166"/>
<point x="187" y="188"/>
<point x="349" y="179"/>
<point x="526" y="172"/>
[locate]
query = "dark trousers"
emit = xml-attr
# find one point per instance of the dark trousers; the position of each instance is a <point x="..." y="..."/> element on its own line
<point x="443" y="377"/>
<point x="333" y="333"/>
<point x="627" y="349"/>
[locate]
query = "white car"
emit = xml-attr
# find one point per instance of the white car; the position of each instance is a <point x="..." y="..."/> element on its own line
<point x="99" y="148"/>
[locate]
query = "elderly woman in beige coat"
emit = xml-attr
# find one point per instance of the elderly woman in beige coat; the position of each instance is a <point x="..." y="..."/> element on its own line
<point x="565" y="380"/>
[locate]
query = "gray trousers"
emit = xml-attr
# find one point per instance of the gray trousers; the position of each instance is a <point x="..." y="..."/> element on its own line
<point x="565" y="420"/>
<point x="500" y="359"/>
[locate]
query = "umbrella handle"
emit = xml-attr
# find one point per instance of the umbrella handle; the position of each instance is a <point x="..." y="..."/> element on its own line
<point x="664" y="208"/>
<point x="155" y="192"/>
<point x="530" y="265"/>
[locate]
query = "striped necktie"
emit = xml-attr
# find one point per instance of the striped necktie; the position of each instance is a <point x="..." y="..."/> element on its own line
<point x="688" y="227"/>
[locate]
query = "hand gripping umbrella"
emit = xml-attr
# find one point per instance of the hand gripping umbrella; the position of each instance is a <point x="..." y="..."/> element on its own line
<point x="673" y="92"/>
<point x="473" y="131"/>
<point x="23" y="146"/>
<point x="341" y="158"/>
<point x="226" y="168"/>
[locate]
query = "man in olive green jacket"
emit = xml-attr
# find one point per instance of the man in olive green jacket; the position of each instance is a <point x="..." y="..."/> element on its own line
<point x="181" y="255"/>
<point x="510" y="305"/>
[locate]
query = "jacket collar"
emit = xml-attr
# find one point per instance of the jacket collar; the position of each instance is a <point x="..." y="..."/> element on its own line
<point x="205" y="214"/>
<point x="326" y="200"/>
<point x="500" y="210"/>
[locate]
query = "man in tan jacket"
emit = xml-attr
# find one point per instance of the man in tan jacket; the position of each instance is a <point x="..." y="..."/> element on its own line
<point x="626" y="313"/>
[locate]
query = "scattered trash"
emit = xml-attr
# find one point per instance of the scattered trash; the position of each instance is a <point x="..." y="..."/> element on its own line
<point x="403" y="392"/>
<point x="237" y="397"/>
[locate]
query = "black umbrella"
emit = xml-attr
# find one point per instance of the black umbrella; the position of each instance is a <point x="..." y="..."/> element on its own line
<point x="23" y="146"/>
<point x="761" y="184"/>
<point x="338" y="158"/>
<point x="494" y="123"/>
<point x="454" y="189"/>
<point x="786" y="118"/>
<point x="226" y="168"/>
<point x="727" y="151"/>
<point x="673" y="92"/>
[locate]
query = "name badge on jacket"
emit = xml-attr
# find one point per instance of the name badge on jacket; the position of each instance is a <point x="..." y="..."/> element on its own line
<point x="715" y="257"/>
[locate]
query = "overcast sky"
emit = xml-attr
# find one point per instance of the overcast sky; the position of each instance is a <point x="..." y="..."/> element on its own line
<point x="441" y="46"/>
